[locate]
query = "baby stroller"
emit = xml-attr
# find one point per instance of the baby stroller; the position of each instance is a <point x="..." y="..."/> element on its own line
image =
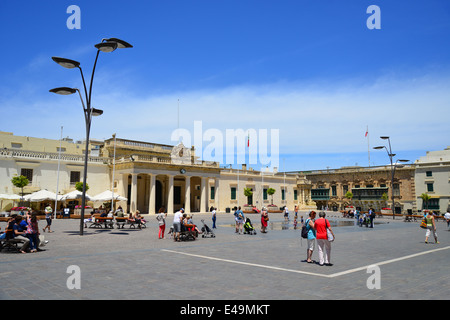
<point x="206" y="231"/>
<point x="248" y="227"/>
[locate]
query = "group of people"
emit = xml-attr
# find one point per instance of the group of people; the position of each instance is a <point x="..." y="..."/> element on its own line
<point x="317" y="232"/>
<point x="179" y="218"/>
<point x="25" y="231"/>
<point x="136" y="217"/>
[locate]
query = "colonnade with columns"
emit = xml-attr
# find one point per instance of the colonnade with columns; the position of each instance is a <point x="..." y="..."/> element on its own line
<point x="149" y="191"/>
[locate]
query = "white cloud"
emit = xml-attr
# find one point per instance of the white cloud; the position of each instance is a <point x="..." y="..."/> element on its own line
<point x="311" y="118"/>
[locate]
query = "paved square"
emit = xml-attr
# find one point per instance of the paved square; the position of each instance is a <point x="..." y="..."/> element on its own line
<point x="135" y="264"/>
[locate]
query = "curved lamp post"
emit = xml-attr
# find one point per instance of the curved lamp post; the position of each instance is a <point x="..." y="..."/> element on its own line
<point x="107" y="45"/>
<point x="393" y="167"/>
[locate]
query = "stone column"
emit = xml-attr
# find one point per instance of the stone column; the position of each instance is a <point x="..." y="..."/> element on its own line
<point x="203" y="199"/>
<point x="133" y="203"/>
<point x="170" y="195"/>
<point x="216" y="193"/>
<point x="187" y="196"/>
<point x="151" y="202"/>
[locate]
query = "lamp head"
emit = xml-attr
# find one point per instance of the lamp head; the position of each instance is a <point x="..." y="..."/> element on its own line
<point x="64" y="90"/>
<point x="108" y="46"/>
<point x="384" y="137"/>
<point x="96" y="112"/>
<point x="66" y="63"/>
<point x="379" y="147"/>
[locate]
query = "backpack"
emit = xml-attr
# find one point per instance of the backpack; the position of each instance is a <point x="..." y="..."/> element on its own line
<point x="305" y="230"/>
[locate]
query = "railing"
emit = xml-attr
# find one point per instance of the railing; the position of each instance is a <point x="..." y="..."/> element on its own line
<point x="52" y="156"/>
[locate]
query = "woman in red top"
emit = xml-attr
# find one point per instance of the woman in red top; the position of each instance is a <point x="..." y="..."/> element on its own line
<point x="321" y="225"/>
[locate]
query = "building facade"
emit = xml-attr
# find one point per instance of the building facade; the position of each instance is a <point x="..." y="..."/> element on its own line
<point x="369" y="187"/>
<point x="153" y="175"/>
<point x="432" y="176"/>
<point x="149" y="175"/>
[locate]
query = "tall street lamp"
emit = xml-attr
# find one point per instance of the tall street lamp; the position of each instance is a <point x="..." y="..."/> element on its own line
<point x="107" y="45"/>
<point x="393" y="167"/>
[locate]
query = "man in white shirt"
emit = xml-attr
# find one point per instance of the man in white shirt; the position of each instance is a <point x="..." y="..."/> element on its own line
<point x="177" y="224"/>
<point x="447" y="217"/>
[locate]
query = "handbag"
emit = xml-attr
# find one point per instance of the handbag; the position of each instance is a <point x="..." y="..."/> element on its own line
<point x="329" y="234"/>
<point x="423" y="224"/>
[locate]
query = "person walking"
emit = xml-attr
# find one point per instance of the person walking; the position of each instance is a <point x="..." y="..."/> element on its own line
<point x="311" y="240"/>
<point x="48" y="217"/>
<point x="213" y="217"/>
<point x="264" y="219"/>
<point x="371" y="216"/>
<point x="161" y="217"/>
<point x="447" y="218"/>
<point x="239" y="220"/>
<point x="321" y="225"/>
<point x="431" y="227"/>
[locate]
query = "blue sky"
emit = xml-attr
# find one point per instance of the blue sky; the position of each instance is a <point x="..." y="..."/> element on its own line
<point x="311" y="69"/>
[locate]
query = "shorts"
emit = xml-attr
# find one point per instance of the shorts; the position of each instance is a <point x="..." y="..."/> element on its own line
<point x="49" y="221"/>
<point x="176" y="227"/>
<point x="311" y="243"/>
<point x="430" y="230"/>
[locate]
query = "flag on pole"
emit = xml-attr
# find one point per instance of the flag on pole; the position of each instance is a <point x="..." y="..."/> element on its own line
<point x="248" y="139"/>
<point x="367" y="132"/>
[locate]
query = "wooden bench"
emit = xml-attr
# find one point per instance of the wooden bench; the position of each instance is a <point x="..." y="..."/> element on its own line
<point x="121" y="221"/>
<point x="10" y="245"/>
<point x="133" y="224"/>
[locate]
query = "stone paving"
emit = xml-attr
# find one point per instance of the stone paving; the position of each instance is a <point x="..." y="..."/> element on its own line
<point x="134" y="264"/>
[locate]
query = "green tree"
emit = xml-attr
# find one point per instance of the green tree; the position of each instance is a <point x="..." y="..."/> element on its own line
<point x="385" y="197"/>
<point x="349" y="196"/>
<point x="248" y="193"/>
<point x="425" y="198"/>
<point x="20" y="182"/>
<point x="271" y="192"/>
<point x="79" y="186"/>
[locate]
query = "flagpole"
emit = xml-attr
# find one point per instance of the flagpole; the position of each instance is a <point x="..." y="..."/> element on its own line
<point x="368" y="144"/>
<point x="57" y="176"/>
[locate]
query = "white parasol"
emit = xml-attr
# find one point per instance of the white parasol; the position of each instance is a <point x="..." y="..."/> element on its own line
<point x="73" y="195"/>
<point x="108" y="196"/>
<point x="41" y="195"/>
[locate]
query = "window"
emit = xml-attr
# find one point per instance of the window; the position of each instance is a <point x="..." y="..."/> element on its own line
<point x="264" y="194"/>
<point x="429" y="173"/>
<point x="333" y="191"/>
<point x="74" y="177"/>
<point x="430" y="187"/>
<point x="344" y="189"/>
<point x="295" y="195"/>
<point x="396" y="190"/>
<point x="233" y="193"/>
<point x="62" y="149"/>
<point x="27" y="173"/>
<point x="283" y="194"/>
<point x="16" y="145"/>
<point x="212" y="193"/>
